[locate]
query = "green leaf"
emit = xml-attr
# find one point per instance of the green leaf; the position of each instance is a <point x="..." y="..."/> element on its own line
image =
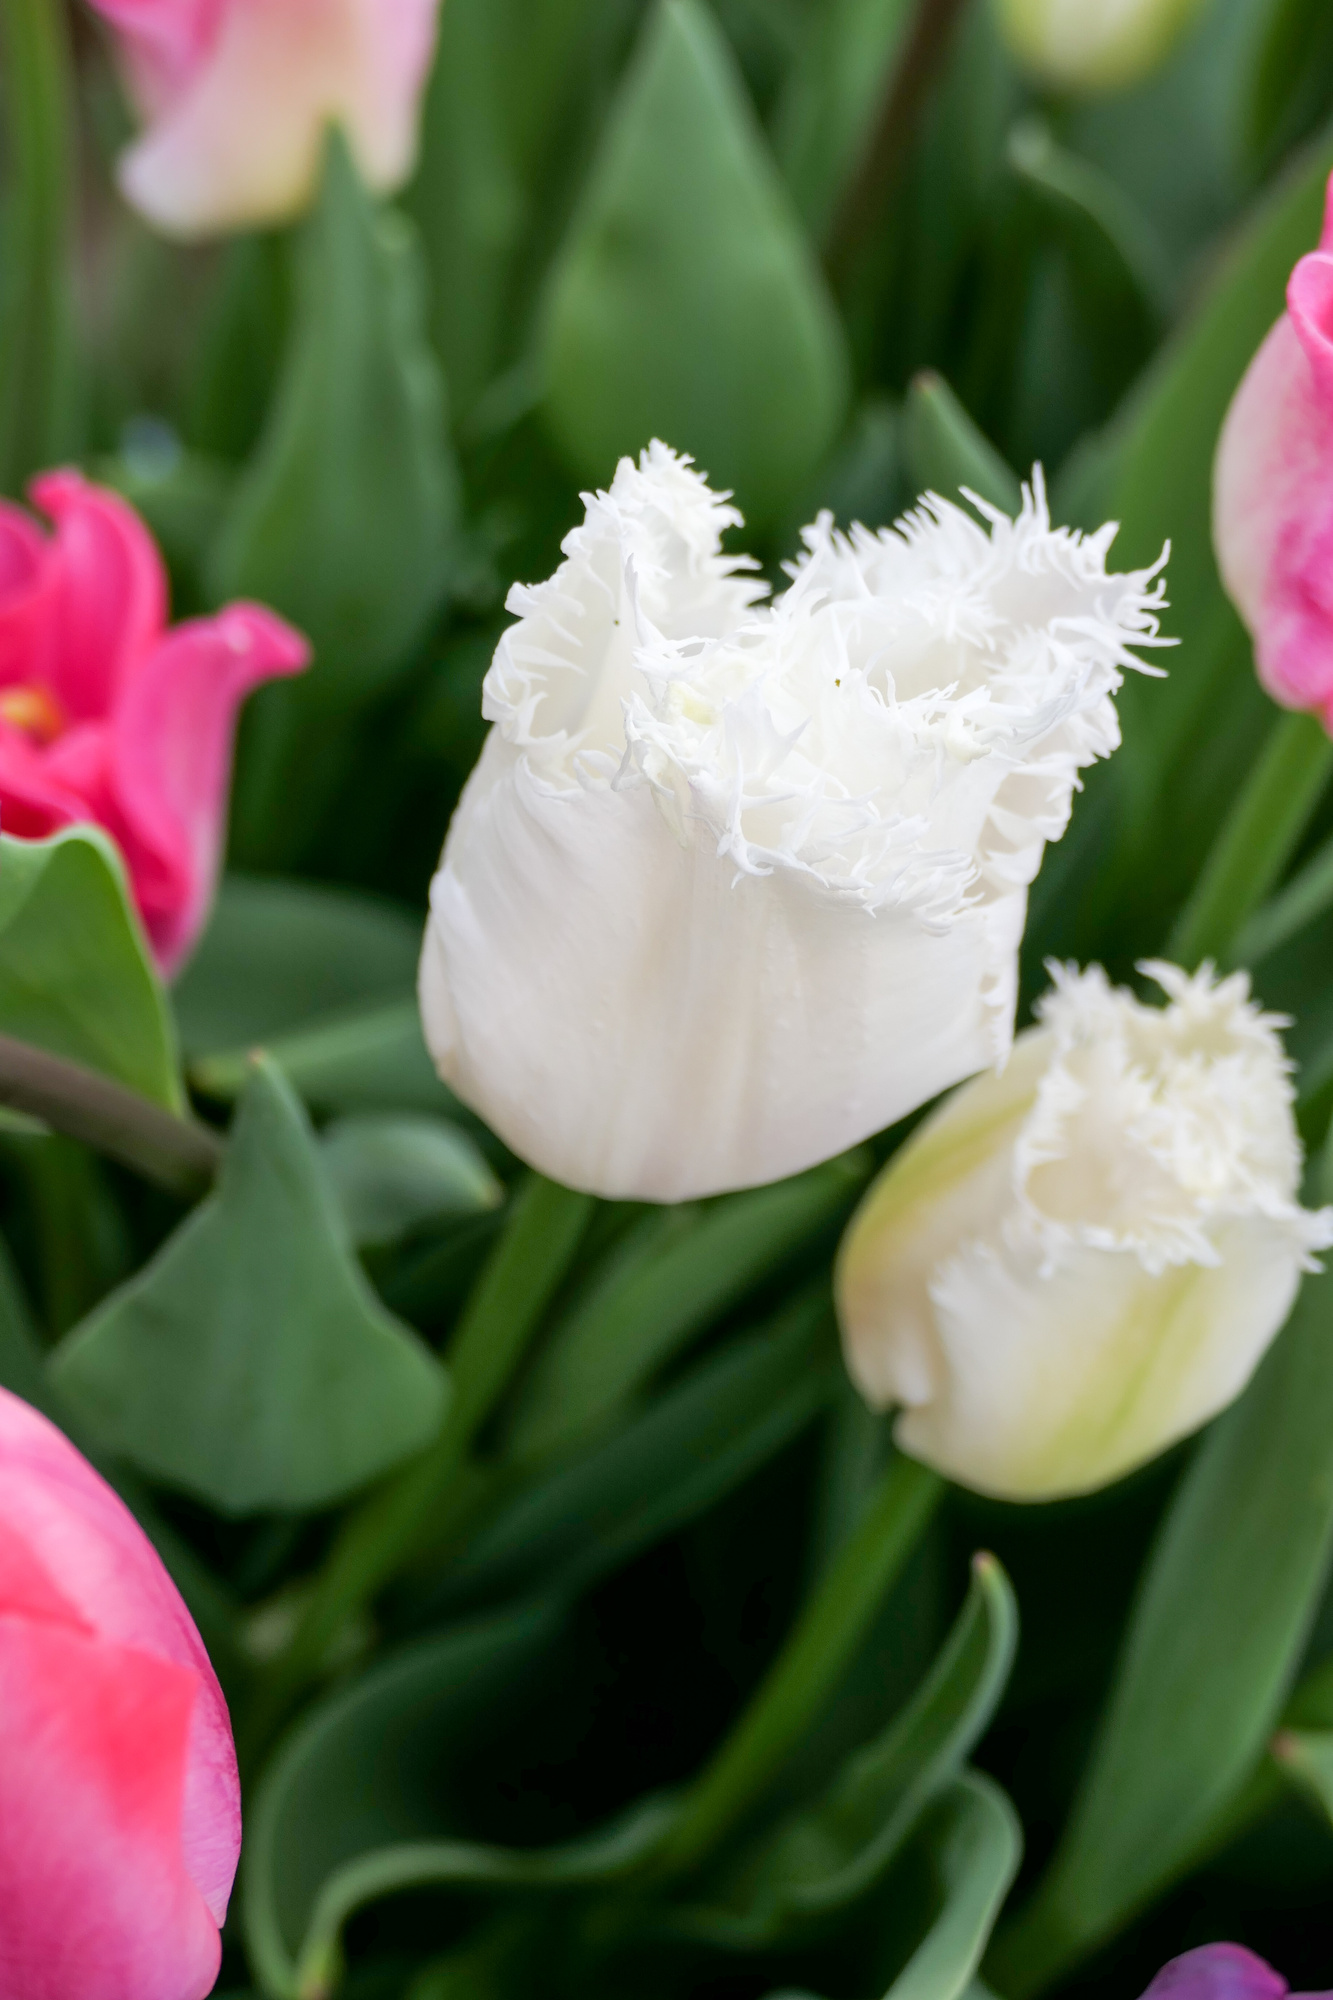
<point x="36" y="302"/>
<point x="974" y="1844"/>
<point x="686" y="304"/>
<point x="394" y="1175"/>
<point x="967" y="1854"/>
<point x="943" y="449"/>
<point x="22" y="1360"/>
<point x="1188" y="739"/>
<point x="834" y="89"/>
<point x="1117" y="291"/>
<point x="76" y="977"/>
<point x="679" y="1272"/>
<point x="827" y="1856"/>
<point x="1290" y="85"/>
<point x="385" y="1747"/>
<point x="249" y="1362"/>
<point x="344" y="518"/>
<point x="278" y="953"/>
<point x="693" y="1444"/>
<point x="373" y="1059"/>
<point x="1216" y="1637"/>
<point x="512" y="96"/>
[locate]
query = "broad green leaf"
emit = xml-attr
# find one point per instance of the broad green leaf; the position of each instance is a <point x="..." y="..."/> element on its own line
<point x="1216" y="1637"/>
<point x="693" y="1444"/>
<point x="967" y="1855"/>
<point x="371" y="1766"/>
<point x="686" y="303"/>
<point x="249" y="1362"/>
<point x="835" y="87"/>
<point x="943" y="449"/>
<point x="825" y="1857"/>
<point x="507" y="118"/>
<point x="372" y="1059"/>
<point x="344" y="518"/>
<point x="393" y="1175"/>
<point x="1302" y="901"/>
<point x="76" y="977"/>
<point x="278" y="954"/>
<point x="674" y="1277"/>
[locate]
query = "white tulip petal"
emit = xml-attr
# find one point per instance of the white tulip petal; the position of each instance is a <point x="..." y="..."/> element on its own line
<point x="735" y="885"/>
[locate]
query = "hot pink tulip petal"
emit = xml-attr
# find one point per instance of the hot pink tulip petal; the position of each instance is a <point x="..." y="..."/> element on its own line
<point x="111" y="592"/>
<point x="240" y="101"/>
<point x="95" y="1897"/>
<point x="105" y="716"/>
<point x="26" y="585"/>
<point x="78" y="1531"/>
<point x="171" y="750"/>
<point x="1273" y="493"/>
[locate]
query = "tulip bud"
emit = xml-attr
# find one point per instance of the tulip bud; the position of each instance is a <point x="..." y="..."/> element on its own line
<point x="237" y="95"/>
<point x="1094" y="45"/>
<point x="1221" y="1972"/>
<point x="1073" y="1264"/>
<point x="734" y="886"/>
<point x="1273" y="492"/>
<point x="120" y="1810"/>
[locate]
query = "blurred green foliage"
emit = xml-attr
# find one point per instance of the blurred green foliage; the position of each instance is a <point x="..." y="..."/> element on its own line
<point x="477" y="1659"/>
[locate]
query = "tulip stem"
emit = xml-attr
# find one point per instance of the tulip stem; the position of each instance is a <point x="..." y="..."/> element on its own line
<point x="923" y="54"/>
<point x="807" y="1670"/>
<point x="35" y="329"/>
<point x="1255" y="841"/>
<point x="180" y="1154"/>
<point x="525" y="1270"/>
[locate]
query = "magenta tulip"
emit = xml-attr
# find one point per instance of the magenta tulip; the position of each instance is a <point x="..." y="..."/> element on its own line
<point x="1221" y="1972"/>
<point x="237" y="94"/>
<point x="107" y="715"/>
<point x="1273" y="492"/>
<point x="120" y="1811"/>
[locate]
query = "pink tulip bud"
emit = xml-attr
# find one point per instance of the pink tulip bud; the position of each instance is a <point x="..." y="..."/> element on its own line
<point x="236" y="96"/>
<point x="106" y="715"/>
<point x="1273" y="492"/>
<point x="120" y="1811"/>
<point x="1221" y="1972"/>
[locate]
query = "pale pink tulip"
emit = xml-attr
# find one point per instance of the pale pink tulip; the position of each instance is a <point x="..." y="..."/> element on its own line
<point x="237" y="95"/>
<point x="1273" y="492"/>
<point x="106" y="715"/>
<point x="120" y="1811"/>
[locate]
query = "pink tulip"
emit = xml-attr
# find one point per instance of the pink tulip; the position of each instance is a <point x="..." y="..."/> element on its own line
<point x="237" y="95"/>
<point x="106" y="715"/>
<point x="1273" y="492"/>
<point x="1221" y="1972"/>
<point x="120" y="1813"/>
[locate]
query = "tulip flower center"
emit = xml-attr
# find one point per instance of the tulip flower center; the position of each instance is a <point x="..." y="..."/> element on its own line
<point x="32" y="710"/>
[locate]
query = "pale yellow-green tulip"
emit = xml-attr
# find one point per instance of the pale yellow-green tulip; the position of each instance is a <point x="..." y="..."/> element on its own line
<point x="1094" y="45"/>
<point x="1078" y="1261"/>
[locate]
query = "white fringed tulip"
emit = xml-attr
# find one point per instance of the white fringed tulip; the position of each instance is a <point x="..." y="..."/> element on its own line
<point x="733" y="885"/>
<point x="1074" y="1263"/>
<point x="1094" y="45"/>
